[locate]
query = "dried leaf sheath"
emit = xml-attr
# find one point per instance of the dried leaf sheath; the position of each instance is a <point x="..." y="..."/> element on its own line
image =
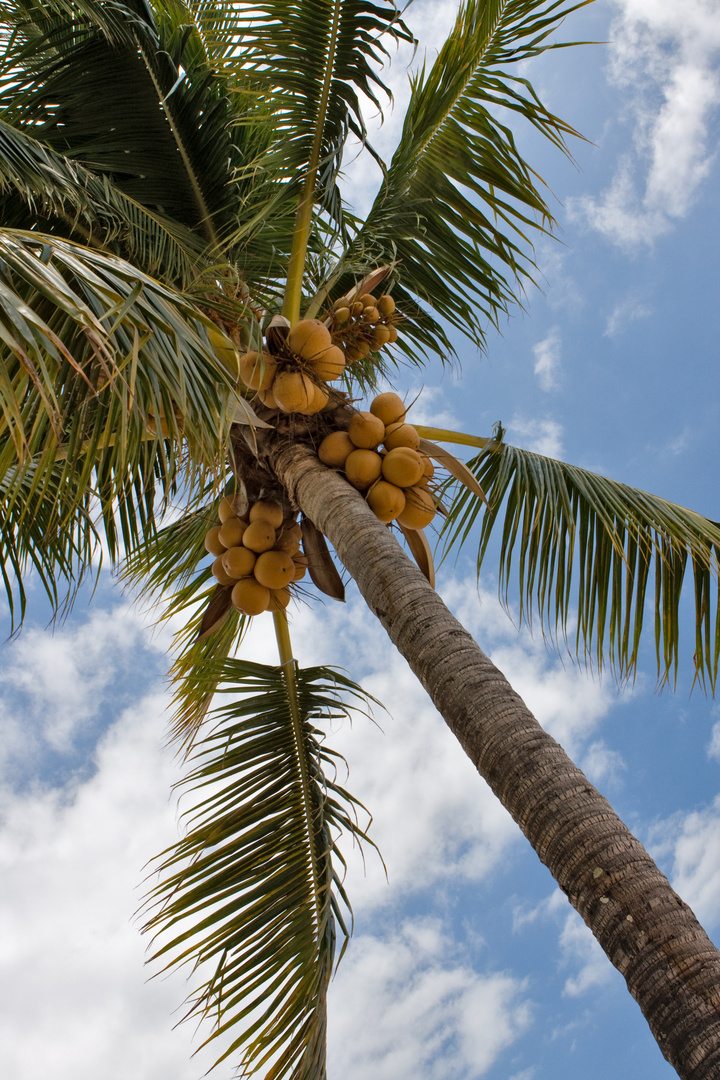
<point x="252" y="893"/>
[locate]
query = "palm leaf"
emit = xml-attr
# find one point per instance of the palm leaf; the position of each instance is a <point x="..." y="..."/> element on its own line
<point x="458" y="203"/>
<point x="573" y="540"/>
<point x="252" y="894"/>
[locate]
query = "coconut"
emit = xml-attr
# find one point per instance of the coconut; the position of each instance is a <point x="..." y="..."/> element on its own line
<point x="212" y="541"/>
<point x="380" y="336"/>
<point x="393" y="334"/>
<point x="279" y="599"/>
<point x="386" y="305"/>
<point x="264" y="510"/>
<point x="389" y="407"/>
<point x="224" y="350"/>
<point x="428" y="468"/>
<point x="386" y="501"/>
<point x="220" y="574"/>
<point x="289" y="539"/>
<point x="335" y="448"/>
<point x="274" y="569"/>
<point x="238" y="562"/>
<point x="328" y="364"/>
<point x="257" y="370"/>
<point x="363" y="468"/>
<point x="259" y="536"/>
<point x="356" y="309"/>
<point x="293" y="391"/>
<point x="249" y="597"/>
<point x="268" y="398"/>
<point x="419" y="508"/>
<point x="308" y="337"/>
<point x="341" y="315"/>
<point x="231" y="533"/>
<point x="370" y="315"/>
<point x="402" y="466"/>
<point x="366" y="431"/>
<point x="357" y="351"/>
<point x="401" y="435"/>
<point x="317" y="403"/>
<point x="367" y="300"/>
<point x="300" y="563"/>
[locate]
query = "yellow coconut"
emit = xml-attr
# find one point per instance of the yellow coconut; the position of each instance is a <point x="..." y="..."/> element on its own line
<point x="402" y="466"/>
<point x="220" y="574"/>
<point x="357" y="350"/>
<point x="257" y="370"/>
<point x="293" y="391"/>
<point x="268" y="398"/>
<point x="367" y="300"/>
<point x="259" y="536"/>
<point x="279" y="599"/>
<point x="428" y="468"/>
<point x="341" y="315"/>
<point x="289" y="539"/>
<point x="265" y="510"/>
<point x="401" y="435"/>
<point x="386" y="305"/>
<point x="363" y="468"/>
<point x="386" y="501"/>
<point x="389" y="407"/>
<point x="301" y="564"/>
<point x="249" y="597"/>
<point x="370" y="315"/>
<point x="366" y="431"/>
<point x="356" y="309"/>
<point x="335" y="448"/>
<point x="231" y="533"/>
<point x="238" y="562"/>
<point x="328" y="364"/>
<point x="393" y="334"/>
<point x="419" y="508"/>
<point x="212" y="541"/>
<point x="318" y="402"/>
<point x="274" y="569"/>
<point x="226" y="509"/>
<point x="380" y="336"/>
<point x="309" y="337"/>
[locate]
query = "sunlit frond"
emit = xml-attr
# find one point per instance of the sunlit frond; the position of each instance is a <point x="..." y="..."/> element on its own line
<point x="571" y="540"/>
<point x="252" y="896"/>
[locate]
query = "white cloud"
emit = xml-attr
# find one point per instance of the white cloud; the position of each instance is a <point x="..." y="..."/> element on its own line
<point x="547" y="359"/>
<point x="539" y="436"/>
<point x="603" y="765"/>
<point x="624" y="313"/>
<point x="713" y="750"/>
<point x="691" y="843"/>
<point x="420" y="1011"/>
<point x="663" y="58"/>
<point x="578" y="946"/>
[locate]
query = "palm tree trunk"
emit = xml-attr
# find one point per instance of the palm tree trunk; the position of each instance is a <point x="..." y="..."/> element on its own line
<point x="651" y="936"/>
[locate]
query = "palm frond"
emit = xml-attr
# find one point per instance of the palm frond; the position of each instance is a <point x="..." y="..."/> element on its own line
<point x="576" y="541"/>
<point x="458" y="204"/>
<point x="110" y="397"/>
<point x="252" y="895"/>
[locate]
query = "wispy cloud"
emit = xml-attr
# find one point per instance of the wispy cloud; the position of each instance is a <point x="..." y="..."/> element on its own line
<point x="539" y="436"/>
<point x="624" y="313"/>
<point x="547" y="359"/>
<point x="663" y="57"/>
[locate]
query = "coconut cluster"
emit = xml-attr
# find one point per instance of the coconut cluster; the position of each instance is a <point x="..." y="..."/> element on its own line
<point x="293" y="375"/>
<point x="365" y="325"/>
<point x="380" y="456"/>
<point x="260" y="555"/>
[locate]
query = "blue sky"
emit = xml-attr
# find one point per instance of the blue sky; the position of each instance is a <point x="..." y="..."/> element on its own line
<point x="466" y="961"/>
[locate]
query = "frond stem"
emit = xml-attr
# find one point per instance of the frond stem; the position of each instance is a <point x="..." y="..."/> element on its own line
<point x="303" y="217"/>
<point x="289" y="670"/>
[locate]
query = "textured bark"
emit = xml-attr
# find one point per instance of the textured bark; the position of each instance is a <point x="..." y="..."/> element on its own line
<point x="651" y="936"/>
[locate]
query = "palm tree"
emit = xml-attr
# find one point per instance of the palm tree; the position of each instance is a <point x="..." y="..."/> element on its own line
<point x="171" y="196"/>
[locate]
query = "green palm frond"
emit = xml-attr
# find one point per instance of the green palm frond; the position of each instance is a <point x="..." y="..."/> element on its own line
<point x="252" y="895"/>
<point x="458" y="204"/>
<point x="40" y="188"/>
<point x="573" y="540"/>
<point x="110" y="398"/>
